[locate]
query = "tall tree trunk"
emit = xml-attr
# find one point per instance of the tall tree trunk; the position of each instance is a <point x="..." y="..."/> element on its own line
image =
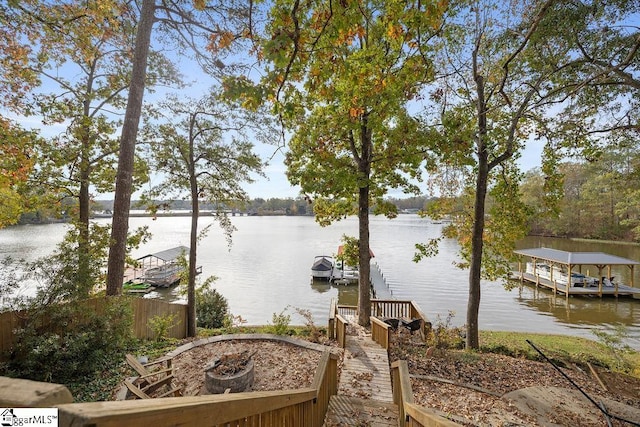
<point x="193" y="245"/>
<point x="364" y="258"/>
<point x="193" y="241"/>
<point x="473" y="304"/>
<point x="124" y="177"/>
<point x="84" y="279"/>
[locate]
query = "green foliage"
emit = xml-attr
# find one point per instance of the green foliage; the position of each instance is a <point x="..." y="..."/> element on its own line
<point x="443" y="335"/>
<point x="160" y="325"/>
<point x="63" y="342"/>
<point x="212" y="309"/>
<point x="559" y="348"/>
<point x="280" y="323"/>
<point x="350" y="248"/>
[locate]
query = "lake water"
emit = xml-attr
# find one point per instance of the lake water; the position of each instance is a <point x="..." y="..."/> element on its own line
<point x="267" y="270"/>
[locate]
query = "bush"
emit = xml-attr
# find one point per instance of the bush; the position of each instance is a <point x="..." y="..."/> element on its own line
<point x="62" y="343"/>
<point x="212" y="308"/>
<point x="160" y="325"/>
<point x="280" y="323"/>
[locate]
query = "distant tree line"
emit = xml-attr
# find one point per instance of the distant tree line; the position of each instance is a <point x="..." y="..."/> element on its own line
<point x="258" y="206"/>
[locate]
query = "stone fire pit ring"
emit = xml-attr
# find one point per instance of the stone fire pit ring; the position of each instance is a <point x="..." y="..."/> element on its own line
<point x="235" y="383"/>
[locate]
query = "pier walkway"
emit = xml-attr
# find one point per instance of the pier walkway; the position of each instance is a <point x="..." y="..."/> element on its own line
<point x="364" y="390"/>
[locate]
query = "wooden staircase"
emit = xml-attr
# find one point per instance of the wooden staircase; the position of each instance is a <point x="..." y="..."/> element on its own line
<point x="364" y="394"/>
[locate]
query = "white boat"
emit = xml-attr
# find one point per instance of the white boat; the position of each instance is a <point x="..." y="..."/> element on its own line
<point x="322" y="267"/>
<point x="559" y="274"/>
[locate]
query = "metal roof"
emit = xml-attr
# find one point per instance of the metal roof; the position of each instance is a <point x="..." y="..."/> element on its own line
<point x="575" y="258"/>
<point x="168" y="254"/>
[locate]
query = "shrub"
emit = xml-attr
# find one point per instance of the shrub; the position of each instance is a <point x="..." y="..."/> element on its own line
<point x="444" y="335"/>
<point x="212" y="309"/>
<point x="281" y="322"/>
<point x="62" y="343"/>
<point x="160" y="325"/>
<point x="311" y="329"/>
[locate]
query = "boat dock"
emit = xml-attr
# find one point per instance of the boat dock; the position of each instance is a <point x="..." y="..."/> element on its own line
<point x="554" y="269"/>
<point x="616" y="290"/>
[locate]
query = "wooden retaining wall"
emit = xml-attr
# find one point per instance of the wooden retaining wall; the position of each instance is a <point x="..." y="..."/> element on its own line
<point x="143" y="310"/>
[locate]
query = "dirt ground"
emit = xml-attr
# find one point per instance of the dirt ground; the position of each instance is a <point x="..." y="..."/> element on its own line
<point x="494" y="390"/>
<point x="277" y="365"/>
<point x="470" y="389"/>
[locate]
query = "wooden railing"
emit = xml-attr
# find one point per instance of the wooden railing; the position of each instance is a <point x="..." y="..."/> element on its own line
<point x="302" y="407"/>
<point x="341" y="330"/>
<point x="347" y="310"/>
<point x="397" y="309"/>
<point x="380" y="332"/>
<point x="333" y="310"/>
<point x="410" y="414"/>
<point x="381" y="309"/>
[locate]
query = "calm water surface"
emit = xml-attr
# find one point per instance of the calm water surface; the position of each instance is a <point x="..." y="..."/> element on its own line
<point x="267" y="270"/>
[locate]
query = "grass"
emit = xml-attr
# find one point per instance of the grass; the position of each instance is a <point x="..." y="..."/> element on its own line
<point x="561" y="348"/>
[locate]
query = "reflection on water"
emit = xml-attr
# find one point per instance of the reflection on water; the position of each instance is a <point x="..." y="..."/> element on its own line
<point x="583" y="310"/>
<point x="268" y="269"/>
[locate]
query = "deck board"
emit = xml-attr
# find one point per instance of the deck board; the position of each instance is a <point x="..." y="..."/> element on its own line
<point x="347" y="411"/>
<point x="364" y="394"/>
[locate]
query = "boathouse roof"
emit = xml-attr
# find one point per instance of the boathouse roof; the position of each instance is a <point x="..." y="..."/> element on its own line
<point x="575" y="258"/>
<point x="168" y="254"/>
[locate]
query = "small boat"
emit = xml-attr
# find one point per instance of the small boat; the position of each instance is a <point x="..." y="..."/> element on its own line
<point x="322" y="267"/>
<point x="137" y="287"/>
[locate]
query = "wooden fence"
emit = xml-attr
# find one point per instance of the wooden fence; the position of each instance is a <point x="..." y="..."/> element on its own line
<point x="301" y="407"/>
<point x="143" y="310"/>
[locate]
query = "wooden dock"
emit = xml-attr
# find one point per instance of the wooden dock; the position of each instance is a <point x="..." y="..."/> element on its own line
<point x="562" y="288"/>
<point x="364" y="390"/>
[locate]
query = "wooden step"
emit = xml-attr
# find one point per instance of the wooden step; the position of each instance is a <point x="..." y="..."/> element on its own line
<point x="352" y="411"/>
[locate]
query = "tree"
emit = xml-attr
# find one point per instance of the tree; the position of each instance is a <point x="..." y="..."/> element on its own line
<point x="487" y="99"/>
<point x="197" y="26"/>
<point x="92" y="44"/>
<point x="341" y="76"/>
<point x="504" y="76"/>
<point x="17" y="158"/>
<point x="203" y="148"/>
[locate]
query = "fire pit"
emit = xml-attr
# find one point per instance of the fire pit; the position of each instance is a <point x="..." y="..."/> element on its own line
<point x="231" y="371"/>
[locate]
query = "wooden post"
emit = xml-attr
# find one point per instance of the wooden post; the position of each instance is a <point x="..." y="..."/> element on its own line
<point x="20" y="393"/>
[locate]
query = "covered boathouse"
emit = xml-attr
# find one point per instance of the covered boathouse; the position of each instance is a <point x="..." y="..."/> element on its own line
<point x="555" y="269"/>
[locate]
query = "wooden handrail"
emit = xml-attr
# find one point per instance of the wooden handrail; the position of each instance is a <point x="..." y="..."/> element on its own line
<point x="341" y="330"/>
<point x="410" y="414"/>
<point x="380" y="332"/>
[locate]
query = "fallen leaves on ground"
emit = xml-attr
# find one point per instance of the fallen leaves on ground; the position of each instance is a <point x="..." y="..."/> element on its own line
<point x="277" y="365"/>
<point x="469" y="388"/>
